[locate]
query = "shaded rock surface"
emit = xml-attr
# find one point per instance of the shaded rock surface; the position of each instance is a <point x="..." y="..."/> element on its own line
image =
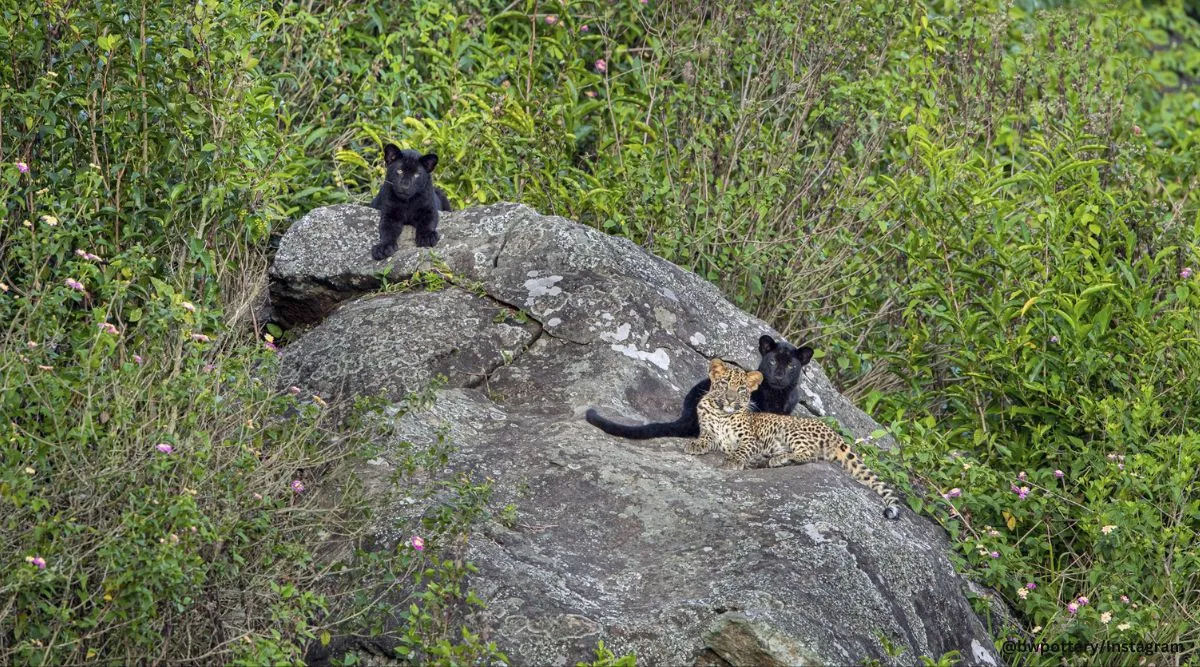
<point x="633" y="543"/>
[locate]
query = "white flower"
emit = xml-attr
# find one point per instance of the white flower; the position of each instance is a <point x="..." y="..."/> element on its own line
<point x="1108" y="529"/>
<point x="1123" y="627"/>
<point x="1105" y="617"/>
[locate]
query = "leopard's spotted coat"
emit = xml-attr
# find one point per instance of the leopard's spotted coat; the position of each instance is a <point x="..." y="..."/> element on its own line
<point x="727" y="423"/>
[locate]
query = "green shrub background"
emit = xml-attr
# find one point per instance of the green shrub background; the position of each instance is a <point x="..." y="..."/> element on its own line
<point x="984" y="215"/>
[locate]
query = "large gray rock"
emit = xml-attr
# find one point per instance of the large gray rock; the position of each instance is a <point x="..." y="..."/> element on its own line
<point x="634" y="543"/>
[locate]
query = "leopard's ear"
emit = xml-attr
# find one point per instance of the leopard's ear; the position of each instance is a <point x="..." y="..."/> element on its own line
<point x="717" y="369"/>
<point x="766" y="344"/>
<point x="753" y="379"/>
<point x="804" y="354"/>
<point x="391" y="153"/>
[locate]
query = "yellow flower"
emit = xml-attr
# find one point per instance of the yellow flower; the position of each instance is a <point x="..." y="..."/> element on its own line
<point x="50" y="220"/>
<point x="1123" y="627"/>
<point x="29" y="471"/>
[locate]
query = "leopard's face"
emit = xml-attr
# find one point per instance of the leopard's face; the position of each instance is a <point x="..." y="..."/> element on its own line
<point x="731" y="387"/>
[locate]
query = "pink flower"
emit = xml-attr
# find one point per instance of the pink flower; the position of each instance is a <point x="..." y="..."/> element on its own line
<point x="200" y="338"/>
<point x="1072" y="607"/>
<point x="952" y="493"/>
<point x="137" y="359"/>
<point x="258" y="496"/>
<point x="38" y="561"/>
<point x="108" y="328"/>
<point x="294" y="390"/>
<point x="590" y="93"/>
<point x="1058" y="474"/>
<point x="24" y="169"/>
<point x="1186" y="272"/>
<point x="80" y="252"/>
<point x="1021" y="492"/>
<point x="31" y="344"/>
<point x="208" y="368"/>
<point x="1082" y="600"/>
<point x="1054" y="339"/>
<point x="417" y="542"/>
<point x="1125" y="599"/>
<point x="995" y="554"/>
<point x="187" y="305"/>
<point x="601" y="65"/>
<point x="551" y="19"/>
<point x="271" y="346"/>
<point x="1021" y="475"/>
<point x="297" y="486"/>
<point x="73" y="284"/>
<point x="643" y="1"/>
<point x="1031" y="585"/>
<point x="164" y="448"/>
<point x="583" y="28"/>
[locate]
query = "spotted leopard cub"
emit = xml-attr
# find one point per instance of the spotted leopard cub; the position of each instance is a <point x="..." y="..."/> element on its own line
<point x="727" y="423"/>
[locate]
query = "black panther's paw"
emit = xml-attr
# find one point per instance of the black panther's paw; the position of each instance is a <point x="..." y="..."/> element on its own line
<point x="383" y="250"/>
<point x="426" y="239"/>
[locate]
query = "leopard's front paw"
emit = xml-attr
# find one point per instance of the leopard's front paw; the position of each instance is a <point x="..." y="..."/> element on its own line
<point x="383" y="250"/>
<point x="731" y="464"/>
<point x="696" y="448"/>
<point x="426" y="239"/>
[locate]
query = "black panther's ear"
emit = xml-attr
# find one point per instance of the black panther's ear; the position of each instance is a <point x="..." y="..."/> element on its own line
<point x="391" y="153"/>
<point x="766" y="344"/>
<point x="804" y="354"/>
<point x="429" y="161"/>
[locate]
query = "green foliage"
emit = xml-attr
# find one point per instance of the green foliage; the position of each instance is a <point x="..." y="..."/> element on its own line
<point x="984" y="215"/>
<point x="606" y="658"/>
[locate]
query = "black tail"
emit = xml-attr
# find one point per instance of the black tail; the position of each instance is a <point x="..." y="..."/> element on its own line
<point x="687" y="426"/>
<point x="443" y="202"/>
<point x="680" y="428"/>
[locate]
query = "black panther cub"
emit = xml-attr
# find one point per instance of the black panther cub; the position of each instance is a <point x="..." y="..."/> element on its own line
<point x="408" y="197"/>
<point x="780" y="392"/>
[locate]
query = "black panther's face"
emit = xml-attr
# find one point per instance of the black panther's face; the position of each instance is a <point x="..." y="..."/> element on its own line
<point x="408" y="171"/>
<point x="781" y="363"/>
